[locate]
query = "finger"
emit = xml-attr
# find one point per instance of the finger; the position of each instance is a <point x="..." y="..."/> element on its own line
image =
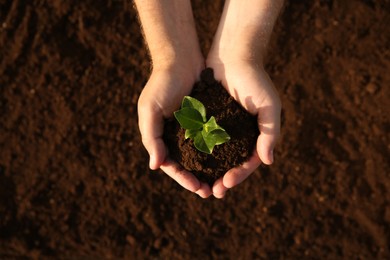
<point x="265" y="148"/>
<point x="151" y="125"/>
<point x="269" y="126"/>
<point x="204" y="190"/>
<point x="219" y="190"/>
<point x="219" y="196"/>
<point x="186" y="179"/>
<point x="238" y="174"/>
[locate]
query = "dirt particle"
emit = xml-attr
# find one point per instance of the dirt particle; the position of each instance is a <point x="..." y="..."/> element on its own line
<point x="330" y="134"/>
<point x="372" y="88"/>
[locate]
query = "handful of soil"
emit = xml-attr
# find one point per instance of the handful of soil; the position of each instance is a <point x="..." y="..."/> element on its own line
<point x="238" y="123"/>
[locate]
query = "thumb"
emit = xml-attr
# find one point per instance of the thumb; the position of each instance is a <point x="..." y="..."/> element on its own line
<point x="269" y="126"/>
<point x="151" y="125"/>
<point x="265" y="148"/>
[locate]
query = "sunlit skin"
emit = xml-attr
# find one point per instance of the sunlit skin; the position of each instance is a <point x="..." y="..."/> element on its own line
<point x="236" y="57"/>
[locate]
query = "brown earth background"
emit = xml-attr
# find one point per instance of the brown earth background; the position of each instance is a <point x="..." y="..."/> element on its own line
<point x="74" y="180"/>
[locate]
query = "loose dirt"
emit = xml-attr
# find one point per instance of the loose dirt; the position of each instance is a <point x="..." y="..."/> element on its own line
<point x="74" y="180"/>
<point x="237" y="122"/>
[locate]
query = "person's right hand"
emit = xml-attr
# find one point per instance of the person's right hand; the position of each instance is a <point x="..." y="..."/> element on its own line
<point x="162" y="96"/>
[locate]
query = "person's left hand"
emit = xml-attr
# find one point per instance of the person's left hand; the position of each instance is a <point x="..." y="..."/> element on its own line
<point x="250" y="86"/>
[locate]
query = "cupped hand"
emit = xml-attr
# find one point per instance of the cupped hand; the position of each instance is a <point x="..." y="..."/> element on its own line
<point x="250" y="86"/>
<point x="160" y="97"/>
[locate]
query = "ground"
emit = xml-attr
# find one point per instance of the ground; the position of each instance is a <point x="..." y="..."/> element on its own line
<point x="74" y="180"/>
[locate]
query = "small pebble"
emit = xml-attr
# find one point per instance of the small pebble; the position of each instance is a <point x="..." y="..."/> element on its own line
<point x="330" y="134"/>
<point x="371" y="88"/>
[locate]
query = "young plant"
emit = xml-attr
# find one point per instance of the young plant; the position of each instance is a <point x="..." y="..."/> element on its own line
<point x="205" y="133"/>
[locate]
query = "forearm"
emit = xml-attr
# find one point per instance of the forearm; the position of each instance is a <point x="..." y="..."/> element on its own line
<point x="169" y="30"/>
<point x="245" y="28"/>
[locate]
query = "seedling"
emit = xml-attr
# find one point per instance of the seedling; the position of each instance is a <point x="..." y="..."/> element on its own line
<point x="205" y="133"/>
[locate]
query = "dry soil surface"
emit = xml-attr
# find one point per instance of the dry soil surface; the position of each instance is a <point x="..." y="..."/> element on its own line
<point x="74" y="180"/>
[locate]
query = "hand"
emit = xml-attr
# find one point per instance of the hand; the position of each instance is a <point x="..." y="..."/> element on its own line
<point x="170" y="32"/>
<point x="161" y="96"/>
<point x="236" y="56"/>
<point x="250" y="86"/>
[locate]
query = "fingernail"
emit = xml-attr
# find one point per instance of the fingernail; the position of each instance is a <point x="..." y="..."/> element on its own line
<point x="220" y="196"/>
<point x="199" y="194"/>
<point x="271" y="156"/>
<point x="151" y="162"/>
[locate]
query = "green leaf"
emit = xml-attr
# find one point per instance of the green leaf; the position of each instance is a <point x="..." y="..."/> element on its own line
<point x="195" y="104"/>
<point x="209" y="139"/>
<point x="189" y="118"/>
<point x="206" y="135"/>
<point x="211" y="125"/>
<point x="201" y="144"/>
<point x="220" y="136"/>
<point x="191" y="133"/>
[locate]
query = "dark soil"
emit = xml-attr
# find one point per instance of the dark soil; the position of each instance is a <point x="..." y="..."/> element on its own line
<point x="74" y="177"/>
<point x="238" y="123"/>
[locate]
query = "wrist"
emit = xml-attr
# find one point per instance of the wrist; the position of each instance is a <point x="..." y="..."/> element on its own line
<point x="236" y="54"/>
<point x="185" y="58"/>
<point x="169" y="31"/>
<point x="238" y="42"/>
<point x="245" y="29"/>
<point x="189" y="67"/>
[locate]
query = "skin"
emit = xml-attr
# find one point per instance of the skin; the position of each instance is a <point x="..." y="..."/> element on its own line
<point x="236" y="56"/>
